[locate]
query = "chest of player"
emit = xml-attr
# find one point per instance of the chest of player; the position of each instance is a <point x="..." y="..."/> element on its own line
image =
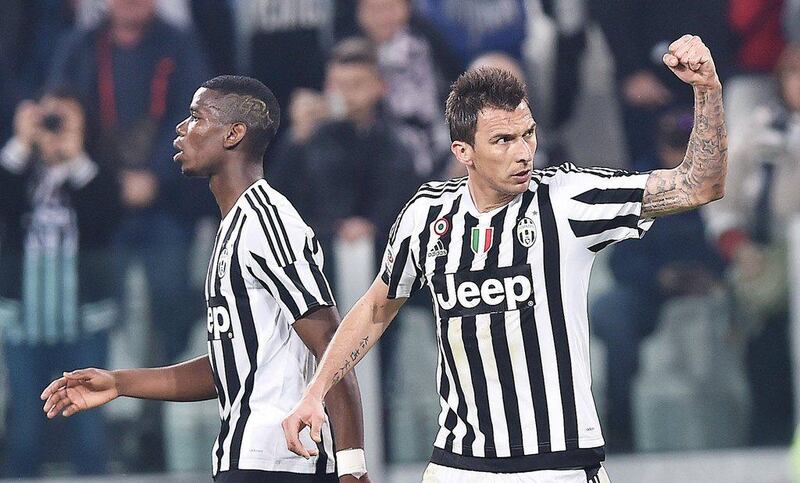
<point x="483" y="264"/>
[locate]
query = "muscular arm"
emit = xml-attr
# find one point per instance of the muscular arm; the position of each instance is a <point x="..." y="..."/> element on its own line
<point x="192" y="380"/>
<point x="344" y="400"/>
<point x="358" y="332"/>
<point x="700" y="178"/>
<point x="84" y="389"/>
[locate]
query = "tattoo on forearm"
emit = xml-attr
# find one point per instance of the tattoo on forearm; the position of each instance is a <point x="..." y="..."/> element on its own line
<point x="353" y="359"/>
<point x="701" y="175"/>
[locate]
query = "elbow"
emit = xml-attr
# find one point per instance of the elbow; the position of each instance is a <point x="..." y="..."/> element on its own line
<point x="712" y="192"/>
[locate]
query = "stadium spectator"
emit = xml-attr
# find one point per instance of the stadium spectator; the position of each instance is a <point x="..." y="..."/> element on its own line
<point x="750" y="226"/>
<point x="136" y="73"/>
<point x="58" y="211"/>
<point x="417" y="68"/>
<point x="638" y="33"/>
<point x="349" y="174"/>
<point x="648" y="273"/>
<point x="284" y="33"/>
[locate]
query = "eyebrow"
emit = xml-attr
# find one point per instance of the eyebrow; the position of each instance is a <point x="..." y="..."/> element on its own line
<point x="510" y="134"/>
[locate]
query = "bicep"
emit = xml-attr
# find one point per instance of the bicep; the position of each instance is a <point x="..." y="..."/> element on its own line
<point x="667" y="191"/>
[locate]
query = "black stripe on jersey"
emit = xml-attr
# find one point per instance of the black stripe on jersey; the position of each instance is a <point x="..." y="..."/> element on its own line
<point x="583" y="228"/>
<point x="469" y="335"/>
<point x="267" y="232"/>
<point x="281" y="227"/>
<point x="461" y="408"/>
<point x="232" y="384"/>
<point x="274" y="231"/>
<point x="245" y="316"/>
<point x="319" y="278"/>
<point x="400" y="259"/>
<point x="212" y="294"/>
<point x="530" y="342"/>
<point x="211" y="264"/>
<point x="308" y="298"/>
<point x="283" y="295"/>
<point x="599" y="196"/>
<point x="497" y="327"/>
<point x="434" y="213"/>
<point x="444" y="383"/>
<point x="552" y="279"/>
<point x="599" y="246"/>
<point x="427" y="190"/>
<point x="463" y="265"/>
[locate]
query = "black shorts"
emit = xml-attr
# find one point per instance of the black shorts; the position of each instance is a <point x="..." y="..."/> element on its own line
<point x="259" y="476"/>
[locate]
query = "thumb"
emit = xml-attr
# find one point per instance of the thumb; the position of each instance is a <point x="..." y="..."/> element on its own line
<point x="670" y="60"/>
<point x="316" y="429"/>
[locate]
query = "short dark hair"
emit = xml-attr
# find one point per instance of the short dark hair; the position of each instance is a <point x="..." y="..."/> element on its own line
<point x="354" y="50"/>
<point x="251" y="103"/>
<point x="476" y="90"/>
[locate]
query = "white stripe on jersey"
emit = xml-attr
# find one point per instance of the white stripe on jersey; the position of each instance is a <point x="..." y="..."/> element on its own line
<point x="265" y="273"/>
<point x="509" y="290"/>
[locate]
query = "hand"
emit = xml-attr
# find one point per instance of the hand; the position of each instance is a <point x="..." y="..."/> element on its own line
<point x="308" y="413"/>
<point x="643" y="89"/>
<point x="66" y="142"/>
<point x="353" y="479"/>
<point x="78" y="391"/>
<point x="26" y="123"/>
<point x="355" y="228"/>
<point x="307" y="109"/>
<point x="139" y="188"/>
<point x="690" y="60"/>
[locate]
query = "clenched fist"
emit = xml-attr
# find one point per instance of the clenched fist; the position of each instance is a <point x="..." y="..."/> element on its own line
<point x="690" y="60"/>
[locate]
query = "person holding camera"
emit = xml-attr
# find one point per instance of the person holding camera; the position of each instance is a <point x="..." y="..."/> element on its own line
<point x="57" y="216"/>
<point x="751" y="226"/>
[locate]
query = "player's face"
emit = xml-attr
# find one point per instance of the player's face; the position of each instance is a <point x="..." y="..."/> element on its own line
<point x="200" y="140"/>
<point x="501" y="157"/>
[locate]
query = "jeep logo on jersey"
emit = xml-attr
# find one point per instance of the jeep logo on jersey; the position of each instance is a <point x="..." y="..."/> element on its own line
<point x="483" y="292"/>
<point x="481" y="239"/>
<point x="219" y="323"/>
<point x="526" y="232"/>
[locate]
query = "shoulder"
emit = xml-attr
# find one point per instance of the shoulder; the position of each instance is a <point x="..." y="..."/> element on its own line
<point x="271" y="218"/>
<point x="430" y="193"/>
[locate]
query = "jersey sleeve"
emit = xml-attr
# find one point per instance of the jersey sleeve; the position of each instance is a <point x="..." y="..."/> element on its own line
<point x="604" y="206"/>
<point x="401" y="270"/>
<point x="284" y="257"/>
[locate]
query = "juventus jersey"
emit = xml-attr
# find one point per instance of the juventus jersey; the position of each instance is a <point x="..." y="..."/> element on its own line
<point x="265" y="273"/>
<point x="509" y="290"/>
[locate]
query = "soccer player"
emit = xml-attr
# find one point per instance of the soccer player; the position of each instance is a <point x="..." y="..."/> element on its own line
<point x="270" y="309"/>
<point x="506" y="253"/>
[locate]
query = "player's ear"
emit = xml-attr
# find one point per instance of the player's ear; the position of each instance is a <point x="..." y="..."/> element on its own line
<point x="235" y="135"/>
<point x="463" y="152"/>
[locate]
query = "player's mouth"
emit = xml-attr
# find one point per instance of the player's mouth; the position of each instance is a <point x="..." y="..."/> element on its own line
<point x="522" y="176"/>
<point x="177" y="146"/>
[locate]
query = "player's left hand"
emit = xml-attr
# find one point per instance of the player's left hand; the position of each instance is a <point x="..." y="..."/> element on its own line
<point x="309" y="412"/>
<point x="690" y="60"/>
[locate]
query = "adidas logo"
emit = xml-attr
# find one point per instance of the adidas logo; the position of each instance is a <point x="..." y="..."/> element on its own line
<point x="438" y="250"/>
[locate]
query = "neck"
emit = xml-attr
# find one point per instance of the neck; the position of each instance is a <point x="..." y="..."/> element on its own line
<point x="229" y="184"/>
<point x="486" y="198"/>
<point x="127" y="35"/>
<point x="363" y="120"/>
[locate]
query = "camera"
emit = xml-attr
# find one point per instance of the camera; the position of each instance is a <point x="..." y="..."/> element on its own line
<point x="52" y="122"/>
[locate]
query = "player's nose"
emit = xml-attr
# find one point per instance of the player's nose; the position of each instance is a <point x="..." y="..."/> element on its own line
<point x="180" y="129"/>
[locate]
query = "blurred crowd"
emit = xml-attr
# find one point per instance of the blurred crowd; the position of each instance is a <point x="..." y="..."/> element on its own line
<point x="91" y="92"/>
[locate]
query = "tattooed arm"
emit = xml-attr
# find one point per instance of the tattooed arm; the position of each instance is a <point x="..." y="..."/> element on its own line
<point x="700" y="178"/>
<point x="358" y="332"/>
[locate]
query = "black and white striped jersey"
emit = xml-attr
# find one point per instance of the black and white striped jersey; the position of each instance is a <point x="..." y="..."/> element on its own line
<point x="265" y="273"/>
<point x="509" y="290"/>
